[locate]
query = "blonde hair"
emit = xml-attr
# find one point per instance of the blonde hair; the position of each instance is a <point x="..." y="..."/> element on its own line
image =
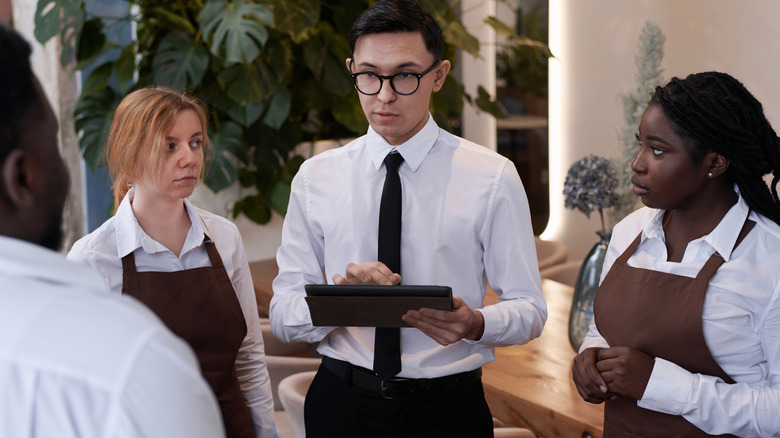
<point x="136" y="141"/>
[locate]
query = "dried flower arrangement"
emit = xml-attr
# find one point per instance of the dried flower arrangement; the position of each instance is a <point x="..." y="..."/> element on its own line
<point x="590" y="186"/>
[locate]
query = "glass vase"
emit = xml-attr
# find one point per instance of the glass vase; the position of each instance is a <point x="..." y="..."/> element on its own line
<point x="585" y="291"/>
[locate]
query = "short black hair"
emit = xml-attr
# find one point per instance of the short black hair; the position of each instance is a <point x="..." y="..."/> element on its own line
<point x="18" y="93"/>
<point x="396" y="16"/>
<point x="721" y="115"/>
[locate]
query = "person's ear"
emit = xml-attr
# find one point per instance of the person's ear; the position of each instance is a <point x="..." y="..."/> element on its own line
<point x="16" y="179"/>
<point x="348" y="62"/>
<point x="718" y="164"/>
<point x="441" y="73"/>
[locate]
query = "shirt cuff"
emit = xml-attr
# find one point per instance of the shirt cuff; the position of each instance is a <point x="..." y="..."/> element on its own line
<point x="593" y="342"/>
<point x="668" y="388"/>
<point x="490" y="331"/>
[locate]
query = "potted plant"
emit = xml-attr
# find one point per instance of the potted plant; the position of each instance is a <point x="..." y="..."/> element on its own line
<point x="270" y="71"/>
<point x="590" y="185"/>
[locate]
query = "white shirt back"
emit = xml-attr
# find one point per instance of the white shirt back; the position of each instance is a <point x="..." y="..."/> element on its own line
<point x="76" y="361"/>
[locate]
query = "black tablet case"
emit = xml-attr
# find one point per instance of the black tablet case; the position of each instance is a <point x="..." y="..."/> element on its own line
<point x="371" y="306"/>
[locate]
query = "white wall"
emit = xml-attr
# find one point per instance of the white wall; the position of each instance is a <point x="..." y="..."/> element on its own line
<point x="478" y="126"/>
<point x="595" y="42"/>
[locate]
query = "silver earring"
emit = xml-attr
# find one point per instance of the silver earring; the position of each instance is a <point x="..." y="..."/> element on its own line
<point x="709" y="174"/>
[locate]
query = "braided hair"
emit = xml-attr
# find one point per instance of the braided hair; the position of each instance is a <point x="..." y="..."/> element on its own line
<point x="722" y="116"/>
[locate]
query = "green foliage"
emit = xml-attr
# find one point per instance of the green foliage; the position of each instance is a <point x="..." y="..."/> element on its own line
<point x="648" y="76"/>
<point x="522" y="61"/>
<point x="270" y="71"/>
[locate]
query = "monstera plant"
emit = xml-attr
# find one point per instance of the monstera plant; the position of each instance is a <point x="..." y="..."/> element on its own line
<point x="270" y="71"/>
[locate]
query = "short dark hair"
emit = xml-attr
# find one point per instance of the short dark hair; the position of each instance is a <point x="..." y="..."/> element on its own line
<point x="396" y="16"/>
<point x="721" y="115"/>
<point x="18" y="93"/>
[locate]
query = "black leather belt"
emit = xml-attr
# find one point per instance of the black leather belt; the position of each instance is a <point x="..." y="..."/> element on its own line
<point x="398" y="388"/>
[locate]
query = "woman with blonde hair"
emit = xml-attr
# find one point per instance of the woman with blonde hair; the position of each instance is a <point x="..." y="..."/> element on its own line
<point x="186" y="264"/>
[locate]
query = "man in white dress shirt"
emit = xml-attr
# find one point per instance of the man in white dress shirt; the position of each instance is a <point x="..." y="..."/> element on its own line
<point x="465" y="221"/>
<point x="75" y="361"/>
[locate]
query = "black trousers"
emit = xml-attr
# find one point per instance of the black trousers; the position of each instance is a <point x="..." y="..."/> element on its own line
<point x="335" y="408"/>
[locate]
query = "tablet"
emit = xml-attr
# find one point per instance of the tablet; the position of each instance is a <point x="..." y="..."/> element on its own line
<point x="371" y="306"/>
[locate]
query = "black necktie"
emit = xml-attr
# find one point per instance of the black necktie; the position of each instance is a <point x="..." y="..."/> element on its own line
<point x="387" y="340"/>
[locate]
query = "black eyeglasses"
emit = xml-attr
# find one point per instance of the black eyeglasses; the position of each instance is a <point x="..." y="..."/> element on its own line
<point x="403" y="83"/>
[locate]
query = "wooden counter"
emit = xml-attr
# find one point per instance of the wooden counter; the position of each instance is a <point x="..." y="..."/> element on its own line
<point x="530" y="385"/>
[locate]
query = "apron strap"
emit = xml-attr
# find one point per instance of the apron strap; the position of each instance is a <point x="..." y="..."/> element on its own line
<point x="128" y="263"/>
<point x="211" y="248"/>
<point x="623" y="259"/>
<point x="716" y="260"/>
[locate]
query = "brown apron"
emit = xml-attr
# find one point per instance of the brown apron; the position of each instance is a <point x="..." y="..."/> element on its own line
<point x="659" y="314"/>
<point x="200" y="306"/>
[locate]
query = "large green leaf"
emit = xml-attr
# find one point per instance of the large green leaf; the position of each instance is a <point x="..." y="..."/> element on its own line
<point x="247" y="114"/>
<point x="234" y="29"/>
<point x="349" y="113"/>
<point x="280" y="197"/>
<point x="254" y="207"/>
<point x="257" y="81"/>
<point x="165" y="15"/>
<point x="247" y="177"/>
<point x="246" y="83"/>
<point x="296" y="18"/>
<point x="323" y="57"/>
<point x="93" y="116"/>
<point x="455" y="33"/>
<point x="487" y="103"/>
<point x="179" y="62"/>
<point x="290" y="168"/>
<point x="124" y="68"/>
<point x="500" y="27"/>
<point x="92" y="40"/>
<point x="63" y="17"/>
<point x="278" y="108"/>
<point x="98" y="79"/>
<point x="222" y="172"/>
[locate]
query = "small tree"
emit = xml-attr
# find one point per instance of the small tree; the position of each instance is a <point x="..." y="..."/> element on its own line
<point x="648" y="76"/>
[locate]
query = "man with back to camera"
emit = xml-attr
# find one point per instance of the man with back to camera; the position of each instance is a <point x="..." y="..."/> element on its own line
<point x="465" y="221"/>
<point x="75" y="361"/>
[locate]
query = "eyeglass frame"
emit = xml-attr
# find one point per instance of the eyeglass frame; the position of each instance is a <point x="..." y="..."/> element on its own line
<point x="390" y="78"/>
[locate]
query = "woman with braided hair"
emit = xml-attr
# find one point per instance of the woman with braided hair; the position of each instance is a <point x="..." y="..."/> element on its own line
<point x="685" y="339"/>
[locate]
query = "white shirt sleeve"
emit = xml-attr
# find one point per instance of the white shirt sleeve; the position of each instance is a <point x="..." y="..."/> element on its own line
<point x="300" y="262"/>
<point x="165" y="395"/>
<point x="715" y="406"/>
<point x="511" y="267"/>
<point x="251" y="368"/>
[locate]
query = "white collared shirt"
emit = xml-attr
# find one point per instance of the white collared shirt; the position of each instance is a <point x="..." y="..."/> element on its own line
<point x="465" y="221"/>
<point x="120" y="235"/>
<point x="741" y="323"/>
<point x="76" y="361"/>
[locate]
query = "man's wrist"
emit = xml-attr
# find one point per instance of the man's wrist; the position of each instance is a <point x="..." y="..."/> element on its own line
<point x="478" y="329"/>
